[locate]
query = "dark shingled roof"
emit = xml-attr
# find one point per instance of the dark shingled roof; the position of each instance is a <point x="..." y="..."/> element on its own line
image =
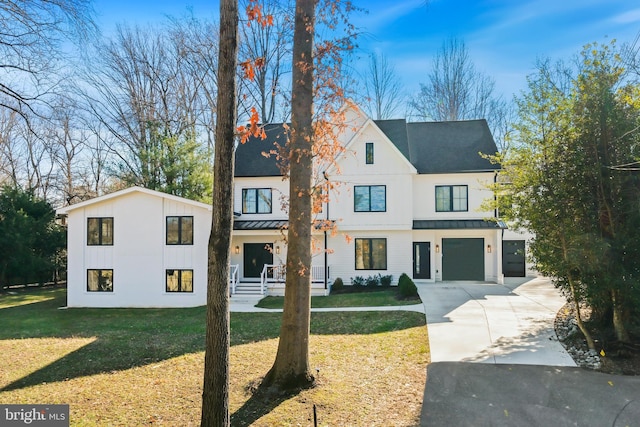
<point x="260" y="224"/>
<point x="431" y="147"/>
<point x="396" y="131"/>
<point x="249" y="158"/>
<point x="455" y="224"/>
<point x="442" y="147"/>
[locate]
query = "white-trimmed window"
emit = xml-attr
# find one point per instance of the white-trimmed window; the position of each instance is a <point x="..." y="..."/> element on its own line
<point x="99" y="231"/>
<point x="179" y="230"/>
<point x="100" y="280"/>
<point x="452" y="198"/>
<point x="370" y="198"/>
<point x="179" y="280"/>
<point x="371" y="254"/>
<point x="256" y="200"/>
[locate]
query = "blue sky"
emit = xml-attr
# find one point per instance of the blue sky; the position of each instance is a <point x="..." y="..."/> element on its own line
<point x="503" y="37"/>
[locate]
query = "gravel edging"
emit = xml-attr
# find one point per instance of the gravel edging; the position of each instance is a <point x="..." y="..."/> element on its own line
<point x="572" y="340"/>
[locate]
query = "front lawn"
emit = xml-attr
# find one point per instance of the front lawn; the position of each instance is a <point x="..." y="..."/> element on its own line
<point x="378" y="298"/>
<point x="131" y="367"/>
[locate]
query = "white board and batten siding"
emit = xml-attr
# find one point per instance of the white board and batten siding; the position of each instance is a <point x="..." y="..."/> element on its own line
<point x="139" y="256"/>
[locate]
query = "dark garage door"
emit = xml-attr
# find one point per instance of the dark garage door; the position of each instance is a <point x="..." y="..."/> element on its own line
<point x="513" y="258"/>
<point x="463" y="259"/>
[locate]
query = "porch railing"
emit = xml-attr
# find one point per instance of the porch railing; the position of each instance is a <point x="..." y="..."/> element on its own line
<point x="233" y="277"/>
<point x="277" y="273"/>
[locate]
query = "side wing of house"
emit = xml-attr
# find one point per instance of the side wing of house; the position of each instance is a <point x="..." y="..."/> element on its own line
<point x="138" y="248"/>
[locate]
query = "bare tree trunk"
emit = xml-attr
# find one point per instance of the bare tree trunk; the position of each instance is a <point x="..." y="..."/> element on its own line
<point x="619" y="317"/>
<point x="215" y="394"/>
<point x="581" y="325"/>
<point x="291" y="367"/>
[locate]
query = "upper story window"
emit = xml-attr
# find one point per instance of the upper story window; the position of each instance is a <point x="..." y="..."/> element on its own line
<point x="369" y="153"/>
<point x="256" y="200"/>
<point x="99" y="231"/>
<point x="100" y="280"/>
<point x="370" y="198"/>
<point x="371" y="254"/>
<point x="179" y="281"/>
<point x="451" y="198"/>
<point x="179" y="230"/>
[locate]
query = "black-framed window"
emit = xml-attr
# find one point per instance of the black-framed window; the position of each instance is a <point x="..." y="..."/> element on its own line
<point x="371" y="254"/>
<point x="256" y="200"/>
<point x="179" y="230"/>
<point x="99" y="231"/>
<point x="370" y="198"/>
<point x="179" y="281"/>
<point x="452" y="198"/>
<point x="100" y="280"/>
<point x="369" y="153"/>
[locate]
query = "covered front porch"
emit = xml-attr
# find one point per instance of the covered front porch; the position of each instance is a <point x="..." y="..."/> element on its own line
<point x="272" y="281"/>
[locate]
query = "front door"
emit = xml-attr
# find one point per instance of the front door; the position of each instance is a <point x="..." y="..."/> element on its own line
<point x="422" y="260"/>
<point x="256" y="255"/>
<point x="513" y="260"/>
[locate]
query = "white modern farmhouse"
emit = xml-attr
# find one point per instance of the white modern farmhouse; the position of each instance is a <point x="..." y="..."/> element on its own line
<point x="407" y="201"/>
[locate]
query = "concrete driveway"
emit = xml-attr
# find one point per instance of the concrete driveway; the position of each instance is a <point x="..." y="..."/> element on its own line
<point x="496" y="361"/>
<point x="491" y="323"/>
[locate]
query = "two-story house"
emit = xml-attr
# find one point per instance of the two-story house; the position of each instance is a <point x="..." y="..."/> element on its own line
<point x="406" y="200"/>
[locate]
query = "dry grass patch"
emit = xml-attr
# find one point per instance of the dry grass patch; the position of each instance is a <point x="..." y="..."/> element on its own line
<point x="131" y="372"/>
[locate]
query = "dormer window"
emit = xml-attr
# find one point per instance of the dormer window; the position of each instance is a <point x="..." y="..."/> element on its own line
<point x="369" y="153"/>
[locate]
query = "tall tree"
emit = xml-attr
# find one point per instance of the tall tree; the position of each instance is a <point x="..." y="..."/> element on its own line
<point x="456" y="90"/>
<point x="32" y="38"/>
<point x="215" y="394"/>
<point x="383" y="88"/>
<point x="29" y="238"/>
<point x="147" y="93"/>
<point x="271" y="46"/>
<point x="291" y="366"/>
<point x="568" y="182"/>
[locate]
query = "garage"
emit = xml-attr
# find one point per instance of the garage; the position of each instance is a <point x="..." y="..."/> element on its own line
<point x="463" y="259"/>
<point x="513" y="260"/>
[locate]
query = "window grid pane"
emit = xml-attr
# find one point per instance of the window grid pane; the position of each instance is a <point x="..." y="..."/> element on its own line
<point x="248" y="201"/>
<point x="378" y="198"/>
<point x="186" y="229"/>
<point x="173" y="230"/>
<point x="362" y="199"/>
<point x="264" y="200"/>
<point x="93" y="231"/>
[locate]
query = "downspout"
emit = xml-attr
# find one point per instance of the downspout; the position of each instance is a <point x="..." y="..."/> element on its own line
<point x="326" y="255"/>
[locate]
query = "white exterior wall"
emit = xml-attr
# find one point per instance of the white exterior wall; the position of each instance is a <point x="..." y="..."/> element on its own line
<point x="139" y="256"/>
<point x="424" y="195"/>
<point x="279" y="188"/>
<point x="343" y="259"/>
<point x="389" y="168"/>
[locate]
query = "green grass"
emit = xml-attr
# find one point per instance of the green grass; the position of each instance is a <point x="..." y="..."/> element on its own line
<point x="378" y="298"/>
<point x="144" y="366"/>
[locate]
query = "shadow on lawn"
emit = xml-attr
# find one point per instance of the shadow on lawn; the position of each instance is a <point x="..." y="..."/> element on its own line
<point x="262" y="401"/>
<point x="127" y="338"/>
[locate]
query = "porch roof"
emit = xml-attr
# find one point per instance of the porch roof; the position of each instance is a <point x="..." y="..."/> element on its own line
<point x="260" y="224"/>
<point x="455" y="224"/>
